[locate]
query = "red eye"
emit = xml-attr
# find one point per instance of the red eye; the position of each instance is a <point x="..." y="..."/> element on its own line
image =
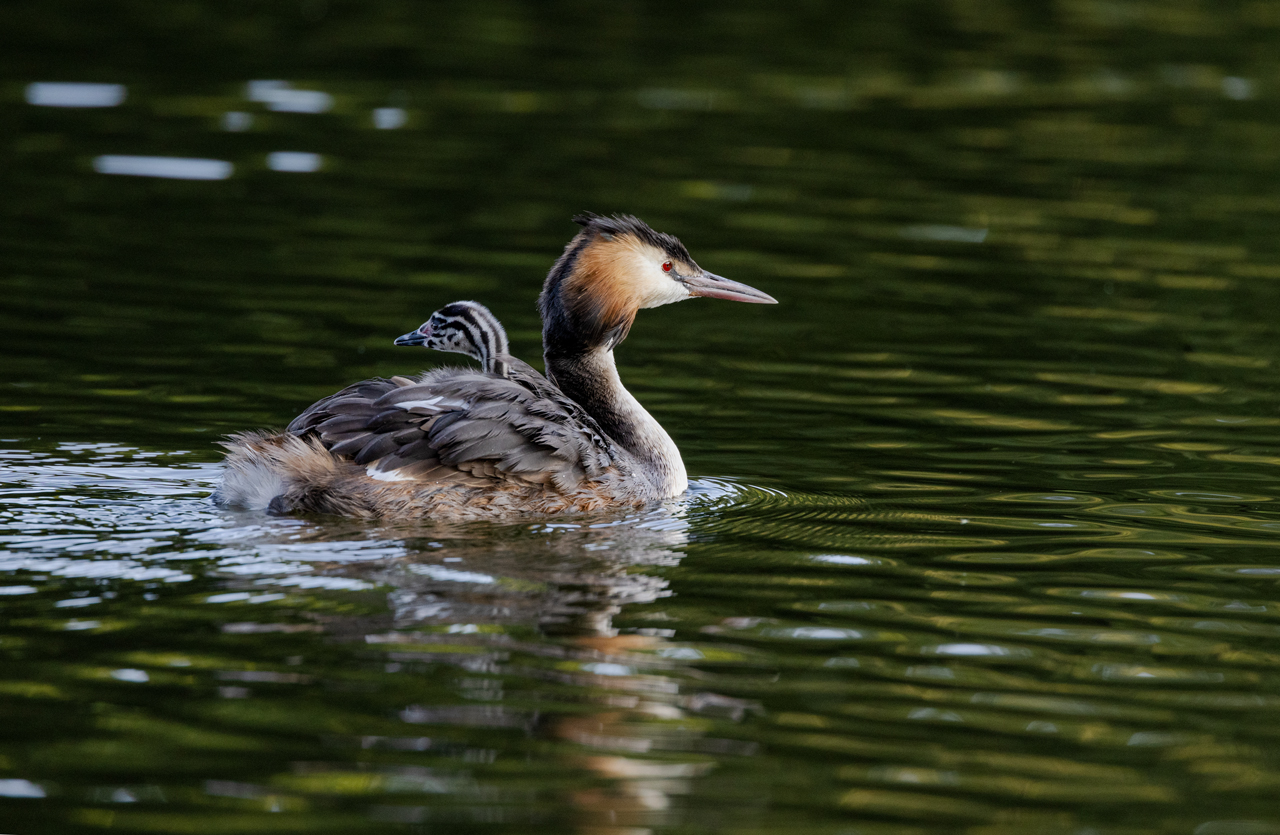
<point x="666" y="266"/>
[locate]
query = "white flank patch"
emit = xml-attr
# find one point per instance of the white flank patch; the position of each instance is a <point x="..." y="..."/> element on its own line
<point x="421" y="404"/>
<point x="385" y="475"/>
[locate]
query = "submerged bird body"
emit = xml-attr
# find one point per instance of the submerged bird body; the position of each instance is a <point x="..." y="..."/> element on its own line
<point x="458" y="443"/>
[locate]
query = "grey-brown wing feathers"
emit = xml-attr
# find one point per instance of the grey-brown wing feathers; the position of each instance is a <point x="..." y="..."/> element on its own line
<point x="454" y="423"/>
<point x="356" y="399"/>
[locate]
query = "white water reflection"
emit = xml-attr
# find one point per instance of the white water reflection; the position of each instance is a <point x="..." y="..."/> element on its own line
<point x="236" y="121"/>
<point x="300" y="162"/>
<point x="117" y="518"/>
<point x="282" y="98"/>
<point x="74" y="94"/>
<point x="15" y="787"/>
<point x="389" y="118"/>
<point x="172" y="168"/>
<point x="940" y="232"/>
<point x="843" y="559"/>
<point x="1234" y="87"/>
<point x="76" y="603"/>
<point x="88" y="568"/>
<point x="437" y="572"/>
<point x="975" y="650"/>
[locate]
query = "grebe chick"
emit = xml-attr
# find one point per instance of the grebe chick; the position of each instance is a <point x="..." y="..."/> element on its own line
<point x="455" y="443"/>
<point x="465" y="328"/>
<point x="471" y="328"/>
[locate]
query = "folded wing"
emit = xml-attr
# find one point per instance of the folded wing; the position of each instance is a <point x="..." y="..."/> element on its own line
<point x="449" y="426"/>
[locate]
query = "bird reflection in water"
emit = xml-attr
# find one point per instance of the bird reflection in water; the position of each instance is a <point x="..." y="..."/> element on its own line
<point x="460" y="596"/>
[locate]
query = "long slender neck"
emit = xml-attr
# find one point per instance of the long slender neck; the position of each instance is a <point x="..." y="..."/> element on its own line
<point x="578" y="338"/>
<point x="590" y="378"/>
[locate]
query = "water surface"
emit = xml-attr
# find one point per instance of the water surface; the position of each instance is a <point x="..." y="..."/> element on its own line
<point x="981" y="532"/>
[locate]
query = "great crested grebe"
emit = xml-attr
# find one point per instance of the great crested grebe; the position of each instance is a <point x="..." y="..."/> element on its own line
<point x="456" y="443"/>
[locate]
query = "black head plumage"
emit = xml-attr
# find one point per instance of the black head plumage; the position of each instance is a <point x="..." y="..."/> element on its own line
<point x="631" y="225"/>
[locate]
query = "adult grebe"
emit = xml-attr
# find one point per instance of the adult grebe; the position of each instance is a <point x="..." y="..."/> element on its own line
<point x="456" y="443"/>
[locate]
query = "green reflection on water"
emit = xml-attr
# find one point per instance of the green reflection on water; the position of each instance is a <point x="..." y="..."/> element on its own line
<point x="1005" y="562"/>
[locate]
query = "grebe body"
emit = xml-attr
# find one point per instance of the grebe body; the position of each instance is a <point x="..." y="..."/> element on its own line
<point x="458" y="443"/>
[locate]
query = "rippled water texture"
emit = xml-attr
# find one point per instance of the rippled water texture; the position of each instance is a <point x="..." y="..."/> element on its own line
<point x="982" y="534"/>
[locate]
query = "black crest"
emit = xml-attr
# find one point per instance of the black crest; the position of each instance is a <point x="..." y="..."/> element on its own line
<point x="568" y="328"/>
<point x="634" y="226"/>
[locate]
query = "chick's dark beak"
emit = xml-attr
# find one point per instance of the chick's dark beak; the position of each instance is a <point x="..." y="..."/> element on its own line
<point x="712" y="286"/>
<point x="418" y="337"/>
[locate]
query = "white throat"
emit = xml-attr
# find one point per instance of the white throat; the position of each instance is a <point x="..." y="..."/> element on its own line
<point x="592" y="380"/>
<point x="649" y="441"/>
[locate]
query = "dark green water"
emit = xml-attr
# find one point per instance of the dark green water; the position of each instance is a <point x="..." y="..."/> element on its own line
<point x="982" y="537"/>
